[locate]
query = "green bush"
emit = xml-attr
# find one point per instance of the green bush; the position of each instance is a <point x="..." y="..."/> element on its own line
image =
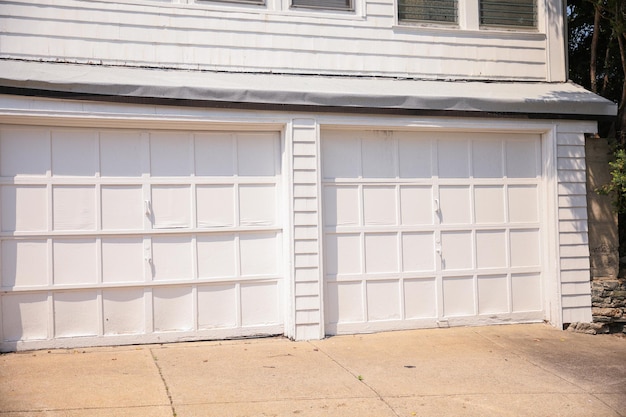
<point x="617" y="185"/>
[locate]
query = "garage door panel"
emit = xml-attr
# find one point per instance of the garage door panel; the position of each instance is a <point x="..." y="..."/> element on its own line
<point x="458" y="296"/>
<point x="491" y="249"/>
<point x="74" y="261"/>
<point x="214" y="154"/>
<point x="217" y="306"/>
<point x="379" y="205"/>
<point x="377" y="155"/>
<point x="383" y="300"/>
<point x="455" y="204"/>
<point x="216" y="256"/>
<point x="259" y="253"/>
<point x="521" y="159"/>
<point x="341" y="206"/>
<point x="74" y="153"/>
<point x="420" y="298"/>
<point x="523" y="203"/>
<point x="414" y="207"/>
<point x="418" y="252"/>
<point x="526" y="292"/>
<point x="339" y="159"/>
<point x="123" y="311"/>
<point x="24" y="208"/>
<point x="487" y="159"/>
<point x="172" y="258"/>
<point x="489" y="204"/>
<point x="493" y="294"/>
<point x="121" y="154"/>
<point x="75" y="314"/>
<point x="171" y="154"/>
<point x="343" y="256"/>
<point x="346" y="302"/>
<point x="25" y="316"/>
<point x="123" y="259"/>
<point x="256" y="154"/>
<point x="456" y="249"/>
<point x="172" y="308"/>
<point x="215" y="205"/>
<point x="453" y="158"/>
<point x="415" y="156"/>
<point x="122" y="207"/>
<point x="24" y="263"/>
<point x="74" y="207"/>
<point x="24" y="152"/>
<point x="259" y="304"/>
<point x="171" y="206"/>
<point x="524" y="246"/>
<point x="257" y="205"/>
<point x="381" y="253"/>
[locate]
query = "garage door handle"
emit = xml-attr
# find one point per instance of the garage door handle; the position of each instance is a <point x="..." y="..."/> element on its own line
<point x="146" y="207"/>
<point x="437" y="208"/>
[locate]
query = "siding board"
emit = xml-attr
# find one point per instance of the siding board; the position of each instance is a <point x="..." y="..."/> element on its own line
<point x="307" y="276"/>
<point x="211" y="39"/>
<point x="573" y="237"/>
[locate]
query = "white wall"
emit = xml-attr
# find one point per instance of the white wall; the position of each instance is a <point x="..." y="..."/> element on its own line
<point x="274" y="38"/>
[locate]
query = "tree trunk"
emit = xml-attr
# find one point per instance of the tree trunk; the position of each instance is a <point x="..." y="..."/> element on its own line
<point x="594" y="49"/>
<point x="621" y="114"/>
<point x="606" y="65"/>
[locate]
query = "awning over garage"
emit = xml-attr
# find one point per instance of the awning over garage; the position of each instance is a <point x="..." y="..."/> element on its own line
<point x="321" y="93"/>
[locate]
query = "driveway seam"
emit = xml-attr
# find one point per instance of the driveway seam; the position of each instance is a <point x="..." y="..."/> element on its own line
<point x="167" y="388"/>
<point x="380" y="397"/>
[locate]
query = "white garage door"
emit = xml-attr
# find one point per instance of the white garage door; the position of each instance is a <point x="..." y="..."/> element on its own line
<point x="109" y="233"/>
<point x="425" y="229"/>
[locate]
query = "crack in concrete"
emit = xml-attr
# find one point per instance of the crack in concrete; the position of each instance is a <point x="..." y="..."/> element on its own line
<point x="358" y="377"/>
<point x="167" y="388"/>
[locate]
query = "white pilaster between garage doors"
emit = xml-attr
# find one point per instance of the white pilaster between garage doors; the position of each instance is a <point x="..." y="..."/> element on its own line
<point x="306" y="233"/>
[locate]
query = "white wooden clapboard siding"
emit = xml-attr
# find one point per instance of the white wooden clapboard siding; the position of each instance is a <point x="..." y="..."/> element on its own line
<point x="306" y="274"/>
<point x="257" y="40"/>
<point x="573" y="238"/>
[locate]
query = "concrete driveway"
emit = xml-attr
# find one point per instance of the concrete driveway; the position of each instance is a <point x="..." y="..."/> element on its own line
<point x="514" y="370"/>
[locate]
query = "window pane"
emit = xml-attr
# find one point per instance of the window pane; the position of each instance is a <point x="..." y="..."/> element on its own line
<point x="428" y="10"/>
<point x="508" y="13"/>
<point x="323" y="4"/>
<point x="240" y="1"/>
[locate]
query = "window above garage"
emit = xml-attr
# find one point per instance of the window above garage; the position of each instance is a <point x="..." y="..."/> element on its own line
<point x="471" y="14"/>
<point x="515" y="13"/>
<point x="441" y="11"/>
<point x="324" y="4"/>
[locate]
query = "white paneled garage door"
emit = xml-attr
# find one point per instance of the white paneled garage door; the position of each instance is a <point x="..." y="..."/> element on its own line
<point x="144" y="234"/>
<point x="424" y="229"/>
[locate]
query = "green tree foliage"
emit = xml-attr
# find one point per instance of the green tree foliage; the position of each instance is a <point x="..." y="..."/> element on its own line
<point x="597" y="54"/>
<point x="617" y="185"/>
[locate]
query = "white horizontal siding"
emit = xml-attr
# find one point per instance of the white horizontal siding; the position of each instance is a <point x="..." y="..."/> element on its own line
<point x="573" y="228"/>
<point x="306" y="264"/>
<point x="257" y="40"/>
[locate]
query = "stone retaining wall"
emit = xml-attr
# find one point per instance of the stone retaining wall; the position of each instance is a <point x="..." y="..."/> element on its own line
<point x="608" y="300"/>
